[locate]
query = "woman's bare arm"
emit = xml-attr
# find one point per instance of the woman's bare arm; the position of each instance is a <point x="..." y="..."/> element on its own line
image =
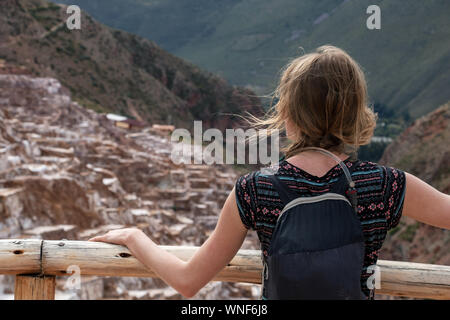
<point x="187" y="277"/>
<point x="426" y="204"/>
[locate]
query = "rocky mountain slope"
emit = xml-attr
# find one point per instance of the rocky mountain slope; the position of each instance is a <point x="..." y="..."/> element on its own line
<point x="111" y="70"/>
<point x="423" y="150"/>
<point x="407" y="62"/>
<point x="69" y="172"/>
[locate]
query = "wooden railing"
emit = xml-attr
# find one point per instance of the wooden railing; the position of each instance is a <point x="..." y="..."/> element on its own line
<point x="35" y="263"/>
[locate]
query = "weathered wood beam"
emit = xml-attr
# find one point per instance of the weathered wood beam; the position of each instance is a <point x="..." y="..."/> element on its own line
<point x="102" y="259"/>
<point x="415" y="280"/>
<point x="20" y="256"/>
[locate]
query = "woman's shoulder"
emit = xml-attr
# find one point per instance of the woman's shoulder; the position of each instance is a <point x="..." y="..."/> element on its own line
<point x="381" y="190"/>
<point x="369" y="167"/>
<point x="255" y="175"/>
<point x="372" y="176"/>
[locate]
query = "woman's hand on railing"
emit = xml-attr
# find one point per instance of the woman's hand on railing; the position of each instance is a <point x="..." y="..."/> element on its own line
<point x="187" y="277"/>
<point x="169" y="268"/>
<point x="118" y="236"/>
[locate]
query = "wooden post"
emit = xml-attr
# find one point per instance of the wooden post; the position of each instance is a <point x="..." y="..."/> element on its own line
<point x="34" y="287"/>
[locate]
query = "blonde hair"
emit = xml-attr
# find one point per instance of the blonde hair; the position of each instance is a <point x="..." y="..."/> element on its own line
<point x="324" y="95"/>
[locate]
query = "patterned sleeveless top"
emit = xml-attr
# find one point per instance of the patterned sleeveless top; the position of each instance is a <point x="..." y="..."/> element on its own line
<point x="381" y="191"/>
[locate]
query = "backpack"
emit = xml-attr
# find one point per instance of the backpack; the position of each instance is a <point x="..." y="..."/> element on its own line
<point x="317" y="246"/>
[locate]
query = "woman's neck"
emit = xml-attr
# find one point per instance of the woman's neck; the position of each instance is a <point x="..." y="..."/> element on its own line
<point x="315" y="163"/>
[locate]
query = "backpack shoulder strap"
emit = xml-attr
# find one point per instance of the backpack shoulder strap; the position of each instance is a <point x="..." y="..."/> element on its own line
<point x="345" y="181"/>
<point x="347" y="186"/>
<point x="285" y="194"/>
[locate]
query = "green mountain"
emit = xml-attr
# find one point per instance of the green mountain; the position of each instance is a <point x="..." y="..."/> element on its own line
<point x="407" y="62"/>
<point x="112" y="70"/>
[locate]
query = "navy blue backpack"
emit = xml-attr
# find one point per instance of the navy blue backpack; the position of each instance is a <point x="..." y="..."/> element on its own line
<point x="317" y="246"/>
